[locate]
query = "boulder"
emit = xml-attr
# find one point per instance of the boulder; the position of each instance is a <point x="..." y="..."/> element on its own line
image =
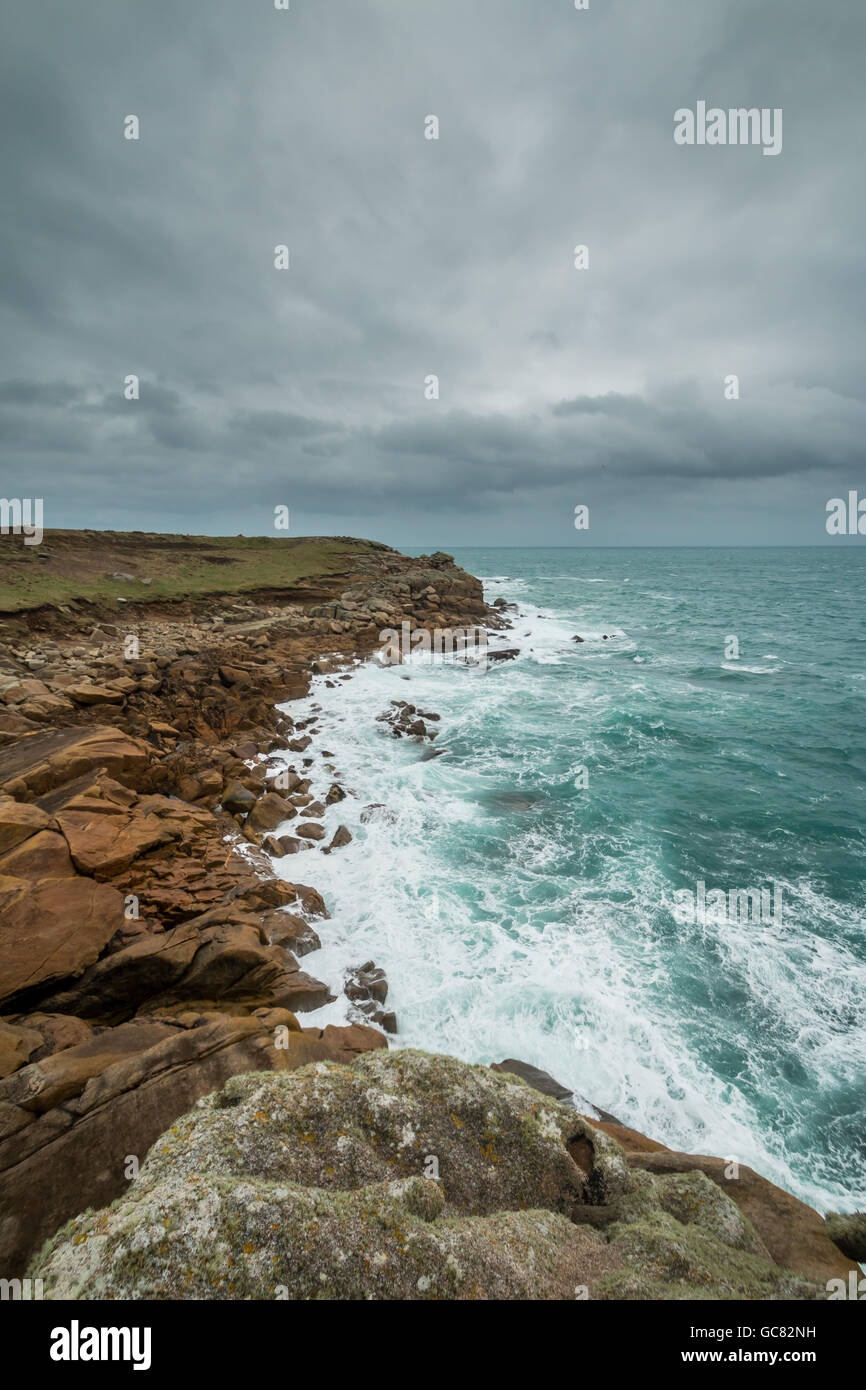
<point x="87" y="693"/>
<point x="358" y="1211"/>
<point x="121" y="982"/>
<point x="103" y="842"/>
<point x="235" y="675"/>
<point x="340" y="838"/>
<point x="44" y="855"/>
<point x="270" y="811"/>
<point x="311" y="830"/>
<point x="238" y="799"/>
<point x="56" y="1032"/>
<point x="18" y="821"/>
<point x="848" y="1231"/>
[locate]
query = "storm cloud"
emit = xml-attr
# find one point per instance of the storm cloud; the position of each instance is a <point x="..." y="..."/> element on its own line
<point x="412" y="258"/>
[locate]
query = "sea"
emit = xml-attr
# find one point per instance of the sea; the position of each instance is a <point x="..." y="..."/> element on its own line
<point x="539" y="888"/>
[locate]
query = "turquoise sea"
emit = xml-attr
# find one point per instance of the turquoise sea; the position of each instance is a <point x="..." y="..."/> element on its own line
<point x="523" y="908"/>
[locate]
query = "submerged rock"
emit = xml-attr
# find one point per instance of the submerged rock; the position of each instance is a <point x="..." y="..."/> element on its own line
<point x="405" y="1176"/>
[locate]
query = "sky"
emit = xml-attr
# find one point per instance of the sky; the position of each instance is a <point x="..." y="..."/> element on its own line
<point x="606" y="387"/>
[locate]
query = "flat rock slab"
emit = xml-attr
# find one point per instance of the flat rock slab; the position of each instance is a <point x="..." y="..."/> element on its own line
<point x="52" y="928"/>
<point x="42" y="761"/>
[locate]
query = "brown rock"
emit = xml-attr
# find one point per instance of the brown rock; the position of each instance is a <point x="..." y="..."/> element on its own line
<point x="17" y="1044"/>
<point x="52" y="928"/>
<point x="42" y="1085"/>
<point x="283" y="845"/>
<point x="270" y="811"/>
<point x="38" y="763"/>
<point x="54" y="1164"/>
<point x="234" y="675"/>
<point x="104" y="844"/>
<point x="238" y="798"/>
<point x="44" y="855"/>
<point x="293" y="933"/>
<point x="792" y="1232"/>
<point x="116" y="986"/>
<point x="341" y="837"/>
<point x="310" y="830"/>
<point x="89" y="694"/>
<point x="350" y="1041"/>
<point x="57" y="1032"/>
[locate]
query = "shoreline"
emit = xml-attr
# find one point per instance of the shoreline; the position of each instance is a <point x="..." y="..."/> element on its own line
<point x="155" y="952"/>
<point x="148" y="950"/>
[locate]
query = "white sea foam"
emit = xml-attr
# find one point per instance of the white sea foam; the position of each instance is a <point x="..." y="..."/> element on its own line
<point x="520" y="953"/>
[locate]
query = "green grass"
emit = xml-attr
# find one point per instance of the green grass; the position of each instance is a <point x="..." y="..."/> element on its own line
<point x="72" y="565"/>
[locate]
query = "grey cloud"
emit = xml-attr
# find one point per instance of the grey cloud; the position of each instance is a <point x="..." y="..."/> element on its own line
<point x="414" y="257"/>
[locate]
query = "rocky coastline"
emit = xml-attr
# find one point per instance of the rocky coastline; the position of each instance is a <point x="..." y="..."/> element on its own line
<point x="149" y="958"/>
<point x="147" y="950"/>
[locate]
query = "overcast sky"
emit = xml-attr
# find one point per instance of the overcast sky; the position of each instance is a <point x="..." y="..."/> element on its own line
<point x="411" y="257"/>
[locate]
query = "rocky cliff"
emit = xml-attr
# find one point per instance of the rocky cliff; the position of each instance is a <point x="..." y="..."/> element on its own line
<point x="409" y="1176"/>
<point x="147" y="951"/>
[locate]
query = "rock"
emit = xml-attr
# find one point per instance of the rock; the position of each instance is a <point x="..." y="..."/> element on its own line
<point x="347" y="1043"/>
<point x="120" y="983"/>
<point x="104" y="842"/>
<point x="234" y="675"/>
<point x="286" y="782"/>
<point x="502" y="654"/>
<point x="310" y="830"/>
<point x="794" y="1235"/>
<point x="227" y="965"/>
<point x="122" y="1093"/>
<point x="56" y="1031"/>
<point x="577" y="639"/>
<point x="88" y="693"/>
<point x="52" y="928"/>
<point x="270" y="811"/>
<point x="293" y="933"/>
<point x="16" y="1046"/>
<point x="284" y="844"/>
<point x="533" y="1076"/>
<point x="43" y="1085"/>
<point x="159" y="726"/>
<point x="848" y="1231"/>
<point x="237" y="798"/>
<point x="43" y="761"/>
<point x="367" y="983"/>
<point x="335" y="794"/>
<point x="352" y="1213"/>
<point x="44" y="855"/>
<point x="341" y="837"/>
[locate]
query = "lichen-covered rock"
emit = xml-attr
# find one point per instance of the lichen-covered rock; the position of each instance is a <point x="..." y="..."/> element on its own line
<point x="232" y="1238"/>
<point x="848" y="1231"/>
<point x="404" y="1176"/>
<point x="491" y="1142"/>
